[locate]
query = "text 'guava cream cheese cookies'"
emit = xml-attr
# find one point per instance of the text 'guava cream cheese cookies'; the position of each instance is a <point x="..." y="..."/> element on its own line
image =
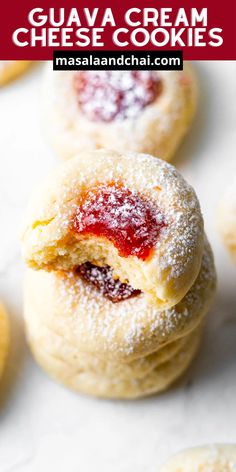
<point x="10" y="70"/>
<point x="132" y="213"/>
<point x="227" y="219"/>
<point x="4" y="337"/>
<point x="212" y="458"/>
<point x="137" y="111"/>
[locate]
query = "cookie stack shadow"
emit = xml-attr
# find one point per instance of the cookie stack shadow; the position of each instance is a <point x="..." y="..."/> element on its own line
<point x="134" y="332"/>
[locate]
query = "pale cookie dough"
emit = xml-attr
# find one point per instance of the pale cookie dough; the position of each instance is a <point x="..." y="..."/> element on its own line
<point x="75" y="360"/>
<point x="227" y="219"/>
<point x="91" y="375"/>
<point x="4" y="337"/>
<point x="212" y="458"/>
<point x="87" y="322"/>
<point x="50" y="243"/>
<point x="10" y="70"/>
<point x="156" y="129"/>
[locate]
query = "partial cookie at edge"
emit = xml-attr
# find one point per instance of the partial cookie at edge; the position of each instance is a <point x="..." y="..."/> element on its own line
<point x="211" y="458"/>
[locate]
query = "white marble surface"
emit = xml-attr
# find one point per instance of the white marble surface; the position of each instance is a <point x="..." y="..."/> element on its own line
<point x="42" y="425"/>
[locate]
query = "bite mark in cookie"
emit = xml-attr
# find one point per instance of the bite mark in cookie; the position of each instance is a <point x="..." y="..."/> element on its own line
<point x="110" y="210"/>
<point x="102" y="279"/>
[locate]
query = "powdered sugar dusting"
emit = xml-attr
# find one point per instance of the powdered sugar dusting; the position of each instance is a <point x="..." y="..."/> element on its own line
<point x="183" y="222"/>
<point x="115" y="95"/>
<point x="177" y="250"/>
<point x="124" y="326"/>
<point x="102" y="279"/>
<point x="219" y="465"/>
<point x="216" y="459"/>
<point x="121" y="215"/>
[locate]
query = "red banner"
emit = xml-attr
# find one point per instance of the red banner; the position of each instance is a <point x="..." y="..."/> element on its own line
<point x="201" y="29"/>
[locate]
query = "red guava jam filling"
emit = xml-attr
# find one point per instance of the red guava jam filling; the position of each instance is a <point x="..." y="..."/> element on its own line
<point x="115" y="95"/>
<point x="112" y="211"/>
<point x="102" y="279"/>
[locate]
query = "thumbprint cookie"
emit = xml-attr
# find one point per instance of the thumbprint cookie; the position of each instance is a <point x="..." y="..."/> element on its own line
<point x="137" y="111"/>
<point x="130" y="214"/>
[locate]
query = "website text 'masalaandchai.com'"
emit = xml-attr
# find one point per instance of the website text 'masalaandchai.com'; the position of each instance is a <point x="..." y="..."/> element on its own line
<point x="113" y="60"/>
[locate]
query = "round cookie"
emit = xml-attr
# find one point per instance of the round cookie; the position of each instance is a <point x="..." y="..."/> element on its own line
<point x="88" y="322"/>
<point x="133" y="212"/>
<point x="212" y="458"/>
<point x="4" y="337"/>
<point x="227" y="219"/>
<point x="75" y="360"/>
<point x="109" y="380"/>
<point x="10" y="70"/>
<point x="137" y="111"/>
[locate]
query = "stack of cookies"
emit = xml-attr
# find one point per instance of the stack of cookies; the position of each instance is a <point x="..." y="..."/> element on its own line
<point x="120" y="274"/>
